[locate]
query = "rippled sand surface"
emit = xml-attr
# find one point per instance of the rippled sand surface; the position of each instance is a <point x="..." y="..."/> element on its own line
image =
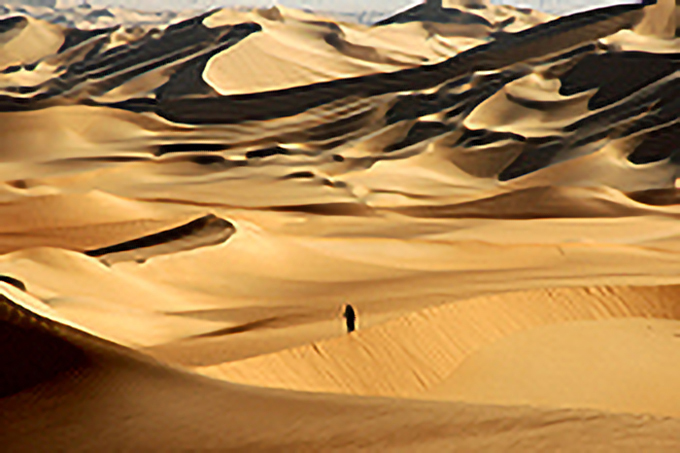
<point x="188" y="200"/>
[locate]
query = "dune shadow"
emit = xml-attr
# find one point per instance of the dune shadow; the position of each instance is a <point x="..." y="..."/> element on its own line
<point x="30" y="355"/>
<point x="204" y="231"/>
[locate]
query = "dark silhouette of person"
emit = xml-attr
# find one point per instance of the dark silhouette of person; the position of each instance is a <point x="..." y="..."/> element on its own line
<point x="351" y="317"/>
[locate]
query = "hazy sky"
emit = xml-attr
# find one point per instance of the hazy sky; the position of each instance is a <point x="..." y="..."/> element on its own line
<point x="343" y="5"/>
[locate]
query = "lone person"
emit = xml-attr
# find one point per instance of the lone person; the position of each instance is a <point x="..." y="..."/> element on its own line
<point x="351" y="317"/>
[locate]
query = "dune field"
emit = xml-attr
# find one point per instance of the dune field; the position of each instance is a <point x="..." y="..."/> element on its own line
<point x="188" y="200"/>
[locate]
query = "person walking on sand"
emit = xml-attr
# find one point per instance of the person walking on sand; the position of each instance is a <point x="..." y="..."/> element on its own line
<point x="350" y="316"/>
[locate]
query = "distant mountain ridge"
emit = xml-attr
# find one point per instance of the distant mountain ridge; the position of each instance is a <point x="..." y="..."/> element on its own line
<point x="359" y="10"/>
<point x="48" y="3"/>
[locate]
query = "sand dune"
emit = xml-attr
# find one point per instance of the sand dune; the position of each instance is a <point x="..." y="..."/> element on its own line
<point x="432" y="353"/>
<point x="94" y="386"/>
<point x="188" y="199"/>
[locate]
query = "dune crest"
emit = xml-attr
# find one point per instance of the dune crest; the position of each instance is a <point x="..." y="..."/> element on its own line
<point x="189" y="200"/>
<point x="422" y="355"/>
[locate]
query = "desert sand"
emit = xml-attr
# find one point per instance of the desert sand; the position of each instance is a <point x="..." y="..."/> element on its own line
<point x="189" y="200"/>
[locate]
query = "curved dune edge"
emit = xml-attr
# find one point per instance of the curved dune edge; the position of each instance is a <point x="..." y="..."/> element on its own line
<point x="396" y="167"/>
<point x="410" y="356"/>
<point x="94" y="220"/>
<point x="133" y="402"/>
<point x="202" y="232"/>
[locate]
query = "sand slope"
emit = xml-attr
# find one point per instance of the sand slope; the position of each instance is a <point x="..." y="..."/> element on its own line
<point x="505" y="349"/>
<point x="188" y="199"/>
<point x="133" y="402"/>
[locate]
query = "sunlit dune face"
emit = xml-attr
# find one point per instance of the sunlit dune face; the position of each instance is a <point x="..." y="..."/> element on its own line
<point x="271" y="230"/>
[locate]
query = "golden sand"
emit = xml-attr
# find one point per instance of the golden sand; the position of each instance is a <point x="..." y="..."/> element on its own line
<point x="189" y="201"/>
